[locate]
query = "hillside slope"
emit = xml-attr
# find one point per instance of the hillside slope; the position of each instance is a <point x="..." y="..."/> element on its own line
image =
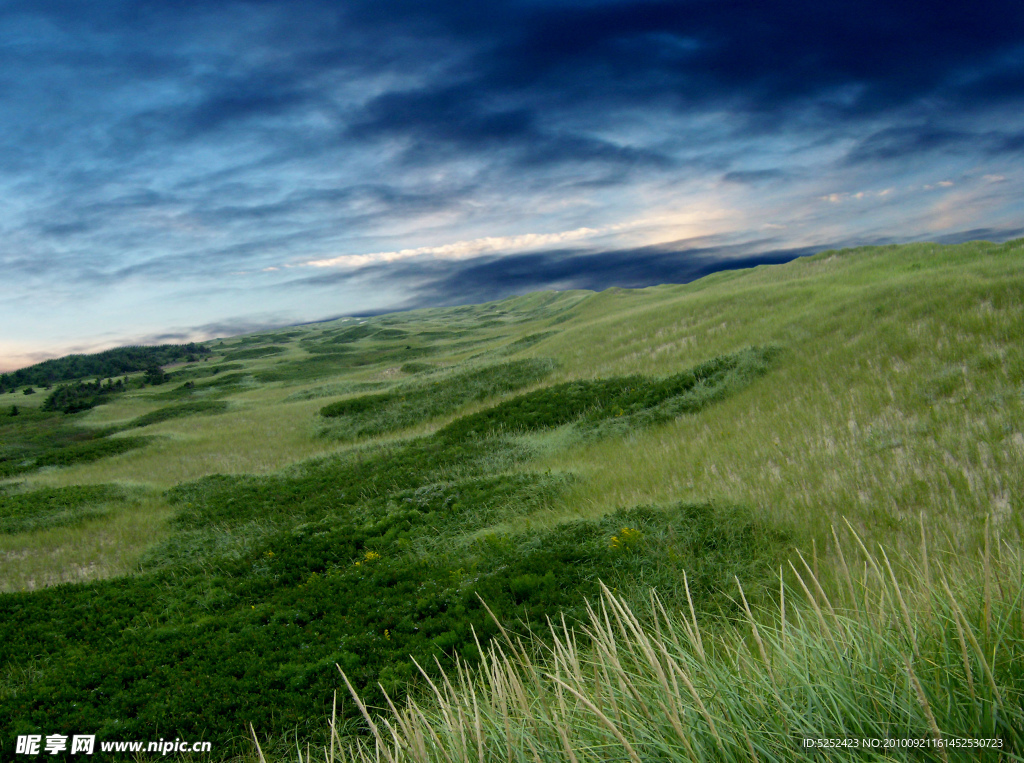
<point x="343" y="493"/>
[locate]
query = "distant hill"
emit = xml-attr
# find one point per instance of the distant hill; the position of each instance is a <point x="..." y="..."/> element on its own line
<point x="107" y="364"/>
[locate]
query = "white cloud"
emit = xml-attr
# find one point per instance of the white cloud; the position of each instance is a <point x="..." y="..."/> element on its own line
<point x="461" y="250"/>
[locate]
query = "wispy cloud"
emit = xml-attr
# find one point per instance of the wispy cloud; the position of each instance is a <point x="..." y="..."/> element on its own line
<point x="462" y="250"/>
<point x="148" y="150"/>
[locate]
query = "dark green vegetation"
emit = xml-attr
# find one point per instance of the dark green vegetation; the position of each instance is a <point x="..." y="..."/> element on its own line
<point x="309" y="368"/>
<point x="177" y="411"/>
<point x="362" y="559"/>
<point x="345" y="336"/>
<point x="621" y="403"/>
<point x="255" y="352"/>
<point x="527" y="341"/>
<point x="81" y="396"/>
<point x="257" y="640"/>
<point x="328" y="360"/>
<point x="209" y="385"/>
<point x="334" y="390"/>
<point x="255" y="553"/>
<point x="66" y="454"/>
<point x="35" y="438"/>
<point x="55" y="507"/>
<point x="203" y="371"/>
<point x="108" y="364"/>
<point x="410" y="404"/>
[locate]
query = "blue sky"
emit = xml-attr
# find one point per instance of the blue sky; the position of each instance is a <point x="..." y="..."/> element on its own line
<point x="177" y="170"/>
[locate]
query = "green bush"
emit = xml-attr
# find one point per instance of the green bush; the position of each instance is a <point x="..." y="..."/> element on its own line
<point x="404" y="406"/>
<point x="360" y="559"/>
<point x="81" y="396"/>
<point x="178" y="411"/>
<point x="75" y="453"/>
<point x="55" y="507"/>
<point x="618" y="403"/>
<point x="255" y="352"/>
<point x="255" y="639"/>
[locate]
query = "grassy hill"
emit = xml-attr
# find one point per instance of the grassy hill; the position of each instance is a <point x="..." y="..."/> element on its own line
<point x="352" y="493"/>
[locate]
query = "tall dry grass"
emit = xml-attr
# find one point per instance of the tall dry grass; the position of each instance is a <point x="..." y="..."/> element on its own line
<point x="905" y="661"/>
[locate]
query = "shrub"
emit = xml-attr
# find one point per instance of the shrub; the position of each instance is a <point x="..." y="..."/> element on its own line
<point x="606" y="405"/>
<point x="404" y="406"/>
<point x="255" y="352"/>
<point x="900" y="672"/>
<point x="55" y="507"/>
<point x="177" y="411"/>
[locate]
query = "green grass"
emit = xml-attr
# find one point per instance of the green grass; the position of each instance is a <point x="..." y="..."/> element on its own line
<point x="259" y="633"/>
<point x="202" y="371"/>
<point x="35" y="439"/>
<point x="410" y="404"/>
<point x="899" y="673"/>
<point x="255" y="352"/>
<point x="360" y="558"/>
<point x="335" y="390"/>
<point x="55" y="507"/>
<point x="620" y="404"/>
<point x="178" y="411"/>
<point x="666" y="439"/>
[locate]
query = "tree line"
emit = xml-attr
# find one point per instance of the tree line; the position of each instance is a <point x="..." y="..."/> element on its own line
<point x="105" y="365"/>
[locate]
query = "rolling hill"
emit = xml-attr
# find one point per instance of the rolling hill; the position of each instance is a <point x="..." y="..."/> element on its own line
<point x="197" y="557"/>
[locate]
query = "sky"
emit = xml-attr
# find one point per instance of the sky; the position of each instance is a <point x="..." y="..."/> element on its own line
<point x="174" y="170"/>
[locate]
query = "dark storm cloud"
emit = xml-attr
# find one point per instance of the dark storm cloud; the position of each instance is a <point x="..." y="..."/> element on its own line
<point x="435" y="282"/>
<point x="454" y="120"/>
<point x="766" y="55"/>
<point x="909" y="141"/>
<point x="534" y="82"/>
<point x="996" y="235"/>
<point x="516" y="76"/>
<point x="146" y="139"/>
<point x="486" y="278"/>
<point x="495" y="278"/>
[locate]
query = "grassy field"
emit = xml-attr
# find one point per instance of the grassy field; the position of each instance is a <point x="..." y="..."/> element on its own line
<point x="342" y="493"/>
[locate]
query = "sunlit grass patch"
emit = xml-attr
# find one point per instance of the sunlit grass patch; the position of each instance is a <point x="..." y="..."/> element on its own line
<point x="242" y="440"/>
<point x="335" y="390"/>
<point x="103" y="546"/>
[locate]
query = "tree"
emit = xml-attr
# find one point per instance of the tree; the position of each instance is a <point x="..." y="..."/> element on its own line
<point x="154" y="375"/>
<point x="14" y="410"/>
